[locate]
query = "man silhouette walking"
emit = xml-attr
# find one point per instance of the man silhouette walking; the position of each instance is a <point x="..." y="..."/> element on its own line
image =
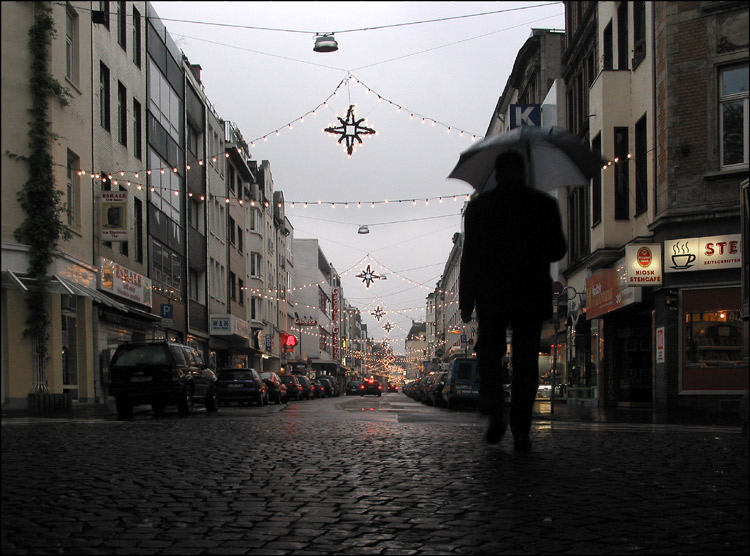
<point x="511" y="235"/>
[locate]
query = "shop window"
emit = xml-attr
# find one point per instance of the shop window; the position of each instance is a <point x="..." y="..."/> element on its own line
<point x="733" y="98"/>
<point x="714" y="339"/>
<point x="712" y="335"/>
<point x="69" y="346"/>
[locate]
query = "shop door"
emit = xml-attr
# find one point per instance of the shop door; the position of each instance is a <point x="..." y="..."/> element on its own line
<point x="635" y="383"/>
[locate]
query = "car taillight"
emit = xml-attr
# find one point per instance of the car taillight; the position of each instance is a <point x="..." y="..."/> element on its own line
<point x="380" y="386"/>
<point x="362" y="387"/>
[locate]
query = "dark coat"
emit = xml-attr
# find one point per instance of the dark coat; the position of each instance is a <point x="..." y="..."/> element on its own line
<point x="511" y="235"/>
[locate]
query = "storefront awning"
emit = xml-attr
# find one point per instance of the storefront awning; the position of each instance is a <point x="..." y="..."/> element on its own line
<point x="103" y="299"/>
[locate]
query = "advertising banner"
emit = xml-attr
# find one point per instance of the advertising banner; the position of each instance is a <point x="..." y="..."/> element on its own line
<point x="335" y="323"/>
<point x="643" y="263"/>
<point x="122" y="281"/>
<point x="702" y="253"/>
<point x="114" y="216"/>
<point x="607" y="290"/>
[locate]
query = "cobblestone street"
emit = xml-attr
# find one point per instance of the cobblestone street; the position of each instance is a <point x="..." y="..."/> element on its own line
<point x="341" y="476"/>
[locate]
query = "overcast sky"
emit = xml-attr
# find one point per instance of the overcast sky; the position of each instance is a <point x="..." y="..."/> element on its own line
<point x="259" y="70"/>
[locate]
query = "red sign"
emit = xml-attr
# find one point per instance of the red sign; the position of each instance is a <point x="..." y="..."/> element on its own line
<point x="290" y="340"/>
<point x="644" y="257"/>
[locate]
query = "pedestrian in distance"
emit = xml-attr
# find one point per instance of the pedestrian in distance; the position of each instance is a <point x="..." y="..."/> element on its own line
<point x="511" y="235"/>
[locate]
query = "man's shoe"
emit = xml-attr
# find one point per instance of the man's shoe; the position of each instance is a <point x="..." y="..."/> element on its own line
<point x="496" y="430"/>
<point x="522" y="443"/>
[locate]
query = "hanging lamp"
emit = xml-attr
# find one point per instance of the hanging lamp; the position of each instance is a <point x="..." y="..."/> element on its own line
<point x="325" y="43"/>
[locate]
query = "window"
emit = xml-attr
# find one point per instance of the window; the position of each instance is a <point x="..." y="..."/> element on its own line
<point x="196" y="286"/>
<point x="164" y="191"/>
<point x="622" y="36"/>
<point x="323" y="302"/>
<point x="103" y="15"/>
<point x="607" y="56"/>
<point x="232" y="286"/>
<point x="578" y="226"/>
<point x="241" y="288"/>
<point x="121" y="25"/>
<point x="254" y="220"/>
<point x="323" y="337"/>
<point x="255" y="265"/>
<point x="136" y="37"/>
<point x="733" y="117"/>
<point x="124" y="244"/>
<point x="137" y="130"/>
<point x="164" y="102"/>
<point x="71" y="44"/>
<point x="166" y="267"/>
<point x="596" y="186"/>
<point x="72" y="192"/>
<point x="255" y="309"/>
<point x="104" y="96"/>
<point x="239" y="239"/>
<point x="232" y="233"/>
<point x="138" y="223"/>
<point x="622" y="174"/>
<point x="122" y="114"/>
<point x="639" y="32"/>
<point x="641" y="166"/>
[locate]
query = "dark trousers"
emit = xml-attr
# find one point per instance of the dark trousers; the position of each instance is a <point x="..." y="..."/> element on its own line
<point x="491" y="346"/>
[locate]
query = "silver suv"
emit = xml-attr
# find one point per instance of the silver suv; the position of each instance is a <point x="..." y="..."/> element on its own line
<point x="162" y="374"/>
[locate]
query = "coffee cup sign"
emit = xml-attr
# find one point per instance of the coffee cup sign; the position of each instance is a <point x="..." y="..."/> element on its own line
<point x="702" y="253"/>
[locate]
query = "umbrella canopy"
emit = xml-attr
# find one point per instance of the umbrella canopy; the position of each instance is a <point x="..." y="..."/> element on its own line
<point x="554" y="158"/>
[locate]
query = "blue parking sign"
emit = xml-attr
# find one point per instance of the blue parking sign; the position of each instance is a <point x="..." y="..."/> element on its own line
<point x="525" y="114"/>
<point x="167" y="311"/>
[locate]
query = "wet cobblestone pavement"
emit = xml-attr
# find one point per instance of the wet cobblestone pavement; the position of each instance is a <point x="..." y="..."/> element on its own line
<point x="333" y="477"/>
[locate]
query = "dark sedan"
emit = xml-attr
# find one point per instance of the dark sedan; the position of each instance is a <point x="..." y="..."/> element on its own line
<point x="371" y="387"/>
<point x="352" y="387"/>
<point x="241" y="386"/>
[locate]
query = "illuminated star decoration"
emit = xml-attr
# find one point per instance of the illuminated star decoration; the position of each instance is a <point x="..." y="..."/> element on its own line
<point x="350" y="129"/>
<point x="378" y="313"/>
<point x="387" y="327"/>
<point x="369" y="276"/>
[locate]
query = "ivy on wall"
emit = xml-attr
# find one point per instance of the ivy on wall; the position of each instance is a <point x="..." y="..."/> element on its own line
<point x="40" y="199"/>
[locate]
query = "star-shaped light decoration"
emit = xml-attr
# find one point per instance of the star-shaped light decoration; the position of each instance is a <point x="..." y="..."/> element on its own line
<point x="369" y="276"/>
<point x="350" y="129"/>
<point x="387" y="327"/>
<point x="378" y="313"/>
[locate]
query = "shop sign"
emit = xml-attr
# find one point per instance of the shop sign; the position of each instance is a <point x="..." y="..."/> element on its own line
<point x="702" y="253"/>
<point x="607" y="290"/>
<point x="227" y="325"/>
<point x="114" y="216"/>
<point x="643" y="263"/>
<point x="335" y="321"/>
<point x="660" y="345"/>
<point x="306" y="321"/>
<point x="122" y="281"/>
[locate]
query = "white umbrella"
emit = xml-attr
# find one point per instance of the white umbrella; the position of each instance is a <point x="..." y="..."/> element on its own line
<point x="554" y="158"/>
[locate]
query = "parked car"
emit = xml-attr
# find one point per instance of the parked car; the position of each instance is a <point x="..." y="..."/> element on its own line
<point x="371" y="387"/>
<point x="162" y="374"/>
<point x="241" y="385"/>
<point x="462" y="384"/>
<point x="317" y="388"/>
<point x="352" y="388"/>
<point x="391" y="387"/>
<point x="293" y="387"/>
<point x="435" y="393"/>
<point x="276" y="389"/>
<point x="424" y="386"/>
<point x="307" y="389"/>
<point x="328" y="387"/>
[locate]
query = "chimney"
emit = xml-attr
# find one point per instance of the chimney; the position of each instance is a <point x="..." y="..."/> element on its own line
<point x="196" y="68"/>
